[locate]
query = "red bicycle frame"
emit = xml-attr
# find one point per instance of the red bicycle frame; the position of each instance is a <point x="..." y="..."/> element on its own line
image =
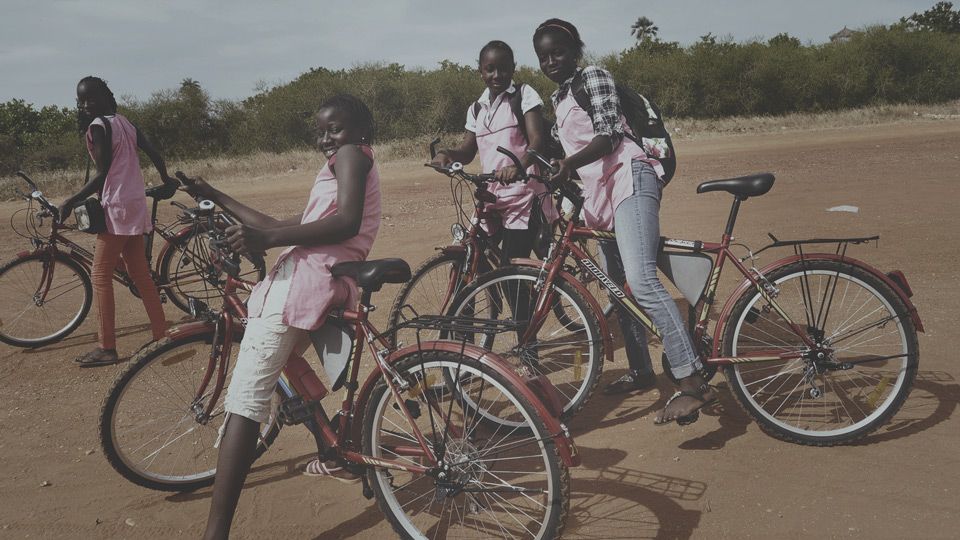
<point x="552" y="269"/>
<point x="299" y="377"/>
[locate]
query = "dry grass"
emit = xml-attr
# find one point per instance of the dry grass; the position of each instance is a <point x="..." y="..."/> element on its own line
<point x="262" y="164"/>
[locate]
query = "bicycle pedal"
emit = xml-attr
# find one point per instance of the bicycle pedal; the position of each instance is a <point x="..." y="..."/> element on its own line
<point x="295" y="410"/>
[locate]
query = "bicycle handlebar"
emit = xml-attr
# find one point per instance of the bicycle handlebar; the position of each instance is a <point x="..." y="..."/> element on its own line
<point x="220" y="245"/>
<point x="37" y="195"/>
<point x="26" y="178"/>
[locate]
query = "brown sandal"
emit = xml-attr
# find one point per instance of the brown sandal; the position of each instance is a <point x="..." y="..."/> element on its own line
<point x="98" y="357"/>
<point x="686" y="419"/>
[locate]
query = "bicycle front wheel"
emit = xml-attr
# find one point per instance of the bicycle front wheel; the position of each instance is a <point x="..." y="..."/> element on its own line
<point x="430" y="291"/>
<point x="567" y="349"/>
<point x="497" y="482"/>
<point x="186" y="270"/>
<point x="44" y="299"/>
<point x="869" y="347"/>
<point x="151" y="429"/>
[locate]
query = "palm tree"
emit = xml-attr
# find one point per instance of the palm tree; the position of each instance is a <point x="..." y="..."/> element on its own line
<point x="644" y="29"/>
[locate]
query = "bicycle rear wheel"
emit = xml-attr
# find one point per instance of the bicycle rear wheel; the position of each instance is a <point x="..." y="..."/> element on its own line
<point x="568" y="350"/>
<point x="498" y="482"/>
<point x="34" y="312"/>
<point x="186" y="270"/>
<point x="870" y="354"/>
<point x="149" y="426"/>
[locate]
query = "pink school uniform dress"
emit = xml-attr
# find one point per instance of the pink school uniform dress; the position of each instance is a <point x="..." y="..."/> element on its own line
<point x="297" y="295"/>
<point x="123" y="200"/>
<point x="313" y="289"/>
<point x="495" y="124"/>
<point x="608" y="180"/>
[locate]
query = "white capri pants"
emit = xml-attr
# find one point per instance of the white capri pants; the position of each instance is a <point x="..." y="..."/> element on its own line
<point x="266" y="346"/>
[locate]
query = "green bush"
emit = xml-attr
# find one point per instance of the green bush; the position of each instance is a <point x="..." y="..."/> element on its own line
<point x="709" y="79"/>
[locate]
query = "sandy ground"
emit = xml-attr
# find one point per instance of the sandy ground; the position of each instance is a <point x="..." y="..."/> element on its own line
<point x="721" y="477"/>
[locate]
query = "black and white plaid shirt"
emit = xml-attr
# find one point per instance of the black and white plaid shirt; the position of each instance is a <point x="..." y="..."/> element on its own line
<point x="604" y="107"/>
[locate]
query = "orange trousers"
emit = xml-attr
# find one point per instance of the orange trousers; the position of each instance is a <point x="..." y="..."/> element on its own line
<point x="109" y="249"/>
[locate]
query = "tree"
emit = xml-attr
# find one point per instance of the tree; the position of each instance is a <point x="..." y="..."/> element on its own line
<point x="784" y="40"/>
<point x="644" y="29"/>
<point x="940" y="18"/>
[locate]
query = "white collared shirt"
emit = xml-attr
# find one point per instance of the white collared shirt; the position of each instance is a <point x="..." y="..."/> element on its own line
<point x="530" y="99"/>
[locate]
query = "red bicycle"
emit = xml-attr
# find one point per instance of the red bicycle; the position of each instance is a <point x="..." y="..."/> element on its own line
<point x="423" y="429"/>
<point x="475" y="249"/>
<point x="819" y="348"/>
<point x="47" y="291"/>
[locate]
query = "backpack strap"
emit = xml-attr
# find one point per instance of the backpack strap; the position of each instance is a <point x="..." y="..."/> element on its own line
<point x="579" y="91"/>
<point x="516" y="105"/>
<point x="476" y="110"/>
<point x="108" y="140"/>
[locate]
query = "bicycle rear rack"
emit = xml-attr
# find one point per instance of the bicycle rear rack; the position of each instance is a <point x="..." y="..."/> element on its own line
<point x="459" y="325"/>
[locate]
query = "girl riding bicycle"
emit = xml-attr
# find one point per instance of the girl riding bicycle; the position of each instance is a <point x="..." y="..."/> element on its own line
<point x="492" y="121"/>
<point x="622" y="187"/>
<point x="112" y="142"/>
<point x="339" y="224"/>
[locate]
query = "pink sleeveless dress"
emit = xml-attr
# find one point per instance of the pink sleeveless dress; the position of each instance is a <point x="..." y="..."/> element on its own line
<point x="607" y="181"/>
<point x="499" y="128"/>
<point x="123" y="199"/>
<point x="313" y="290"/>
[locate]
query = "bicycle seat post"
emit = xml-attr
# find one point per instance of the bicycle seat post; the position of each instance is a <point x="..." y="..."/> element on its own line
<point x="734" y="210"/>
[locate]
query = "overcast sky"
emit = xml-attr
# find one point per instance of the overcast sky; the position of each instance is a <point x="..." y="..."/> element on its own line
<point x="231" y="47"/>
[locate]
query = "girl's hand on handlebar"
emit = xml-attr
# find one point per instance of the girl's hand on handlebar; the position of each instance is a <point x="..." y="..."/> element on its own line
<point x="194" y="186"/>
<point x="507" y="175"/>
<point x="63" y="211"/>
<point x="561" y="171"/>
<point x="247" y="240"/>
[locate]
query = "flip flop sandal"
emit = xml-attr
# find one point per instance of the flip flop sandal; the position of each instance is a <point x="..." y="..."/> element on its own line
<point x="693" y="416"/>
<point x="90" y="360"/>
<point x="320" y="468"/>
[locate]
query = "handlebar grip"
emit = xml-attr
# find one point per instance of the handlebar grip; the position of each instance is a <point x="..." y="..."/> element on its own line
<point x="537" y="156"/>
<point x="26" y="178"/>
<point x="516" y="161"/>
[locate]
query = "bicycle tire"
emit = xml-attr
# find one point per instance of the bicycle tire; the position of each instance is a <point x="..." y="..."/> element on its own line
<point x="586" y="350"/>
<point x="889" y="333"/>
<point x="12" y="279"/>
<point x="479" y="459"/>
<point x="444" y="269"/>
<point x="160" y="355"/>
<point x="176" y="260"/>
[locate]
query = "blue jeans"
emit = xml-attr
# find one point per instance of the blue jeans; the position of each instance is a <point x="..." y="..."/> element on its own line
<point x="634" y="257"/>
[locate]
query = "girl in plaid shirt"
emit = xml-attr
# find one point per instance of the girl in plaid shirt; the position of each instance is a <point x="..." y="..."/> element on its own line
<point x="622" y="190"/>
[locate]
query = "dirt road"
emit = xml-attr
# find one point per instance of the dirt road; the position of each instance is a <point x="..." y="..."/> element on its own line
<point x="718" y="478"/>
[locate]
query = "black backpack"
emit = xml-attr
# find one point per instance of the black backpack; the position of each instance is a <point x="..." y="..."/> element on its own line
<point x="645" y="121"/>
<point x="551" y="148"/>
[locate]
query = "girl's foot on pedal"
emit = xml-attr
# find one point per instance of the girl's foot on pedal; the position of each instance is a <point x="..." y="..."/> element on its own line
<point x="98" y="357"/>
<point x="338" y="473"/>
<point x="684" y="406"/>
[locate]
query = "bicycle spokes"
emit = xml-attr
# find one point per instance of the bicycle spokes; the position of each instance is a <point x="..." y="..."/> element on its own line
<point x="490" y="479"/>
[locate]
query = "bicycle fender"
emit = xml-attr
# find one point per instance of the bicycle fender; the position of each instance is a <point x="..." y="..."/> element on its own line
<point x="594" y="305"/>
<point x="559" y="432"/>
<point x="192" y="328"/>
<point x="453" y="249"/>
<point x="745" y="285"/>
